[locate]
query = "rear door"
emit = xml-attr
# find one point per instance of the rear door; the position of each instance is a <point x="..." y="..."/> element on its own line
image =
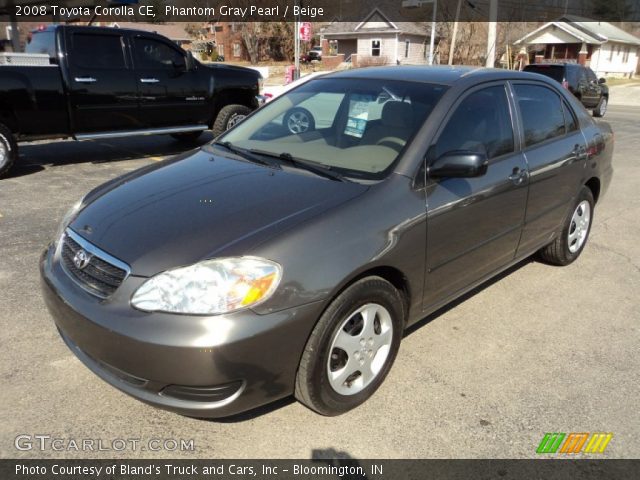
<point x="556" y="154"/>
<point x="170" y="95"/>
<point x="102" y="88"/>
<point x="474" y="224"/>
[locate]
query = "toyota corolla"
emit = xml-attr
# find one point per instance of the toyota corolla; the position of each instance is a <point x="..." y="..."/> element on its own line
<point x="289" y="255"/>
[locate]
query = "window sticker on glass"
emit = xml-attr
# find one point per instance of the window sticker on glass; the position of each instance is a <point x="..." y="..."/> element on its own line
<point x="358" y="115"/>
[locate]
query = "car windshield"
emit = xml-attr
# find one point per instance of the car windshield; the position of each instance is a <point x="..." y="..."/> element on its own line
<point x="357" y="128"/>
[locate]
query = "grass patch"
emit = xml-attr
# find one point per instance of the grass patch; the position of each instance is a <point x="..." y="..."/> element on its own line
<point x="612" y="81"/>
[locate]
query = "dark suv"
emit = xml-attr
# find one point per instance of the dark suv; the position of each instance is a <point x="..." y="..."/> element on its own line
<point x="579" y="80"/>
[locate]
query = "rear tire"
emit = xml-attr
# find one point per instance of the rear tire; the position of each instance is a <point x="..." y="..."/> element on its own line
<point x="601" y="109"/>
<point x="568" y="246"/>
<point x="187" y="137"/>
<point x="351" y="348"/>
<point x="8" y="150"/>
<point x="228" y="117"/>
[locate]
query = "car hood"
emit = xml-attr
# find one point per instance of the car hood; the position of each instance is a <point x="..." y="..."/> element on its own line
<point x="199" y="206"/>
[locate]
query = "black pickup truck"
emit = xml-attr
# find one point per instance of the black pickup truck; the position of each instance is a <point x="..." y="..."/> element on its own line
<point x="579" y="80"/>
<point x="105" y="82"/>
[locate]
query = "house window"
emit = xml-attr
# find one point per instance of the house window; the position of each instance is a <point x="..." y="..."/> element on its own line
<point x="237" y="50"/>
<point x="375" y="48"/>
<point x="611" y="52"/>
<point x="406" y="49"/>
<point x="625" y="58"/>
<point x="220" y="49"/>
<point x="218" y="28"/>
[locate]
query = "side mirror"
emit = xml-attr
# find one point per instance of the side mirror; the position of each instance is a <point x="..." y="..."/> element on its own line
<point x="459" y="164"/>
<point x="602" y="80"/>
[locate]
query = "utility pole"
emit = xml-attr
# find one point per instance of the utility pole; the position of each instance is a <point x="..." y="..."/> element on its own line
<point x="296" y="43"/>
<point x="492" y="34"/>
<point x="455" y="33"/>
<point x="419" y="3"/>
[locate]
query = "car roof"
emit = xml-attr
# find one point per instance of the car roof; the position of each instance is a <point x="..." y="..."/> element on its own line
<point x="445" y="75"/>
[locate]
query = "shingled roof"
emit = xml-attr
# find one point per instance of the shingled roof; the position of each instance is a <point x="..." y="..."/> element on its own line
<point x="378" y="22"/>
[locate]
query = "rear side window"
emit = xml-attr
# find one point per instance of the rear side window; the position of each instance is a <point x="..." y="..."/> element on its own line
<point x="552" y="71"/>
<point x="541" y="112"/>
<point x="155" y="55"/>
<point x="42" y="42"/>
<point x="481" y="123"/>
<point x="97" y="51"/>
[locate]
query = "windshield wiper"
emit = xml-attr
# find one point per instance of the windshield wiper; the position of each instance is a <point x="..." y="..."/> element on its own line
<point x="318" y="169"/>
<point x="244" y="154"/>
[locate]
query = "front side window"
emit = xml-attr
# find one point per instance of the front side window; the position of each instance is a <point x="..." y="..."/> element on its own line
<point x="480" y="123"/>
<point x="375" y="48"/>
<point x="97" y="51"/>
<point x="541" y="112"/>
<point x="156" y="55"/>
<point x="356" y="126"/>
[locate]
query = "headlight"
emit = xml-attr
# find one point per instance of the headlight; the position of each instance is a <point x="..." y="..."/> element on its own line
<point x="68" y="218"/>
<point x="210" y="287"/>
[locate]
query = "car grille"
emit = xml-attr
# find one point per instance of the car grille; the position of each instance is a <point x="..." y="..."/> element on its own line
<point x="101" y="276"/>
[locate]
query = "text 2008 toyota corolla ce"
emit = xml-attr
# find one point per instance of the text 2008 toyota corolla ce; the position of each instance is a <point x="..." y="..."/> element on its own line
<point x="288" y="256"/>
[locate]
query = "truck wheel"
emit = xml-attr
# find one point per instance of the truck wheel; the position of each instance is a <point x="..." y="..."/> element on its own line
<point x="187" y="137"/>
<point x="352" y="347"/>
<point x="228" y="117"/>
<point x="8" y="150"/>
<point x="601" y="109"/>
<point x="575" y="232"/>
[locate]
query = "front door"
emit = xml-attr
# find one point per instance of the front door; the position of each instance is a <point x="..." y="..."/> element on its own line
<point x="102" y="88"/>
<point x="474" y="224"/>
<point x="170" y="95"/>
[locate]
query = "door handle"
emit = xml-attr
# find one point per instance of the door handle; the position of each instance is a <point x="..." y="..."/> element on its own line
<point x="518" y="175"/>
<point x="149" y="80"/>
<point x="85" y="79"/>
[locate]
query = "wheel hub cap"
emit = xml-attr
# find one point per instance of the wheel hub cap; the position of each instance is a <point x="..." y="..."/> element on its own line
<point x="359" y="349"/>
<point x="235" y="119"/>
<point x="579" y="227"/>
<point x="3" y="154"/>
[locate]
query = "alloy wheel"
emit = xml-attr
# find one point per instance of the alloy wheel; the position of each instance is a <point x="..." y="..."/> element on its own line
<point x="359" y="349"/>
<point x="298" y="122"/>
<point x="234" y="120"/>
<point x="579" y="227"/>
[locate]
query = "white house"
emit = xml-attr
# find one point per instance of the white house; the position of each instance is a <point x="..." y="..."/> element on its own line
<point x="378" y="41"/>
<point x="607" y="49"/>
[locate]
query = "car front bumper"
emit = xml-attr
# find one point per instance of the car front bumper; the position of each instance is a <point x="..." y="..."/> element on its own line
<point x="197" y="366"/>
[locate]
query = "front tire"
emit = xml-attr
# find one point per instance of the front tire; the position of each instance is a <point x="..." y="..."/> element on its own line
<point x="8" y="150"/>
<point x="352" y="347"/>
<point x="601" y="109"/>
<point x="228" y="117"/>
<point x="568" y="246"/>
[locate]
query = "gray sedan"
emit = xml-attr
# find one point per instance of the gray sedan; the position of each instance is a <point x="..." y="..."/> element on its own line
<point x="279" y="260"/>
